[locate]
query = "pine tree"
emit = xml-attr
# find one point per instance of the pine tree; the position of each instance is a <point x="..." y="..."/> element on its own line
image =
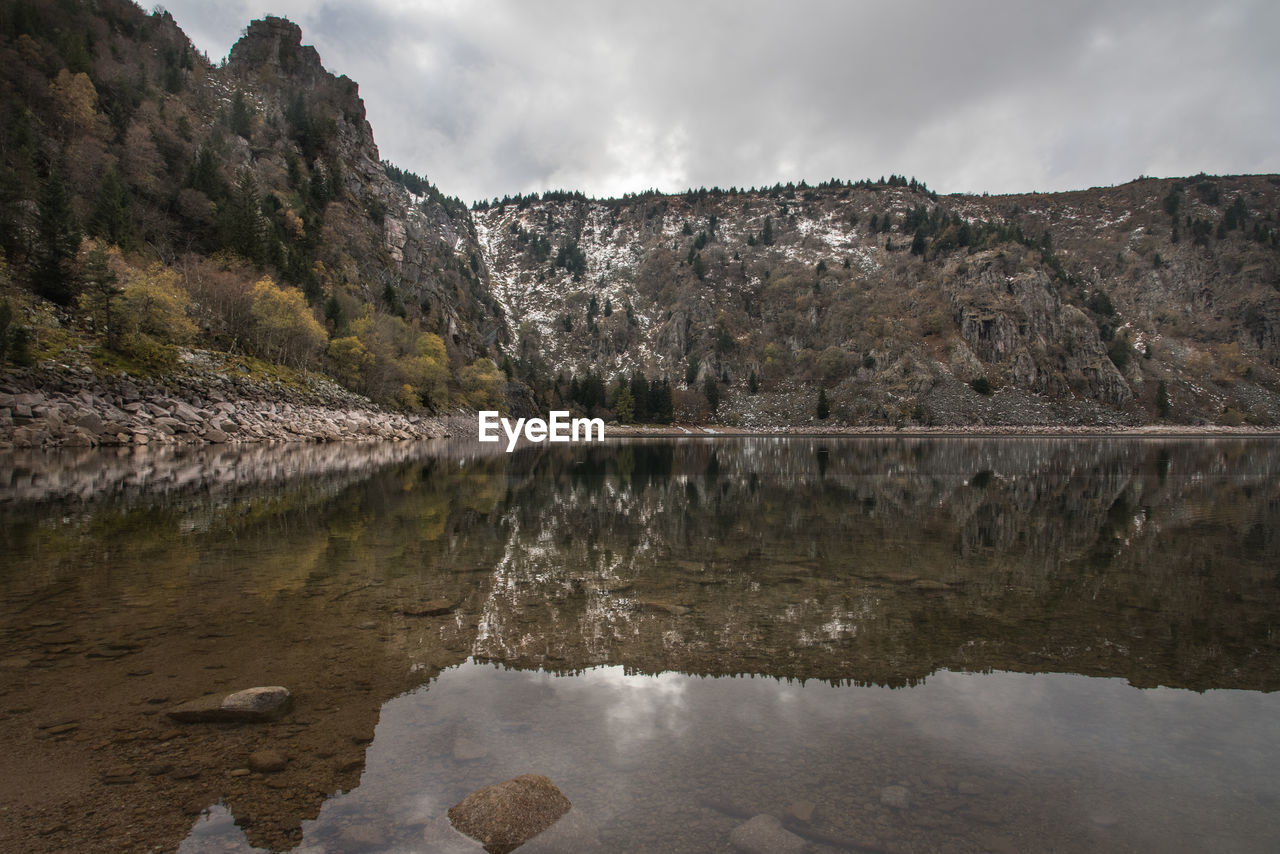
<point x="766" y="236"/>
<point x="641" y="397"/>
<point x="824" y="408"/>
<point x="243" y="224"/>
<point x="753" y="383"/>
<point x="334" y="315"/>
<point x="20" y="347"/>
<point x="57" y="240"/>
<point x="110" y="219"/>
<point x="100" y="295"/>
<point x="241" y="117"/>
<point x="699" y="267"/>
<point x="663" y="404"/>
<point x="204" y="174"/>
<point x="712" y="390"/>
<point x="1162" y="399"/>
<point x="917" y="242"/>
<point x="624" y="404"/>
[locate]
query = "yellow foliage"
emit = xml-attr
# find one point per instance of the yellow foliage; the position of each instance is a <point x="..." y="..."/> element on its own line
<point x="432" y="347"/>
<point x="407" y="398"/>
<point x="350" y="359"/>
<point x="76" y="98"/>
<point x="285" y="330"/>
<point x="155" y="304"/>
<point x="428" y="372"/>
<point x="482" y="384"/>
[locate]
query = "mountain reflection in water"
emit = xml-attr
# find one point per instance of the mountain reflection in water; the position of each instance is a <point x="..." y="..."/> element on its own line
<point x="1022" y="589"/>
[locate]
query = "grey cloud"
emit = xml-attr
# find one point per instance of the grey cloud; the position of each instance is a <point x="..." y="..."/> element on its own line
<point x="488" y="99"/>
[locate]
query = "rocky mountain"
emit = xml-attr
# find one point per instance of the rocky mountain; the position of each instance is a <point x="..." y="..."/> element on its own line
<point x="399" y="245"/>
<point x="1122" y="305"/>
<point x="152" y="202"/>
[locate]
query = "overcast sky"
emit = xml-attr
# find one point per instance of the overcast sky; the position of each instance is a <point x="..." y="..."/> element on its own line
<point x="505" y="96"/>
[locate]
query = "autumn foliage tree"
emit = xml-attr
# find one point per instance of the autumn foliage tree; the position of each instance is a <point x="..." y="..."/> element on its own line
<point x="482" y="384"/>
<point x="284" y="329"/>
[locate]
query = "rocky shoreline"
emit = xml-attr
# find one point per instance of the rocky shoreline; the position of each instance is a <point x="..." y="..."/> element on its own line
<point x="55" y="406"/>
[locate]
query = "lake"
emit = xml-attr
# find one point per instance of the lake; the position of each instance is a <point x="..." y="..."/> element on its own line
<point x="888" y="644"/>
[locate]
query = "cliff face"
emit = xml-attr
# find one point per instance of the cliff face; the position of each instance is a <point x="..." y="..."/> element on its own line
<point x="388" y="244"/>
<point x="120" y="138"/>
<point x="1074" y="307"/>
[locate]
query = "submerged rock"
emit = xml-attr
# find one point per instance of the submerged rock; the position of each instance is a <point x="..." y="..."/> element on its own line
<point x="801" y="811"/>
<point x="429" y="608"/>
<point x="504" y="816"/>
<point x="267" y="761"/>
<point x="573" y="831"/>
<point x="251" y="705"/>
<point x="764" y="834"/>
<point x="468" y="750"/>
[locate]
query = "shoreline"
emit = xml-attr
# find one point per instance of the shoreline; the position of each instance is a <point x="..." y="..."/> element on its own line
<point x="213" y="403"/>
<point x="950" y="431"/>
<point x="66" y="407"/>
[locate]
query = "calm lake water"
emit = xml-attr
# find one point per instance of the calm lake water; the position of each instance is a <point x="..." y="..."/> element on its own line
<point x="889" y="644"/>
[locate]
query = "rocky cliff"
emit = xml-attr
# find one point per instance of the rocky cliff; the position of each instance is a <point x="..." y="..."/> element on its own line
<point x="410" y="252"/>
<point x="908" y="307"/>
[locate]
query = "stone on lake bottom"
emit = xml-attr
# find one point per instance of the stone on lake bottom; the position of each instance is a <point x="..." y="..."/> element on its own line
<point x="764" y="834"/>
<point x="430" y="608"/>
<point x="573" y="831"/>
<point x="251" y="705"/>
<point x="505" y="815"/>
<point x="267" y="761"/>
<point x="468" y="750"/>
